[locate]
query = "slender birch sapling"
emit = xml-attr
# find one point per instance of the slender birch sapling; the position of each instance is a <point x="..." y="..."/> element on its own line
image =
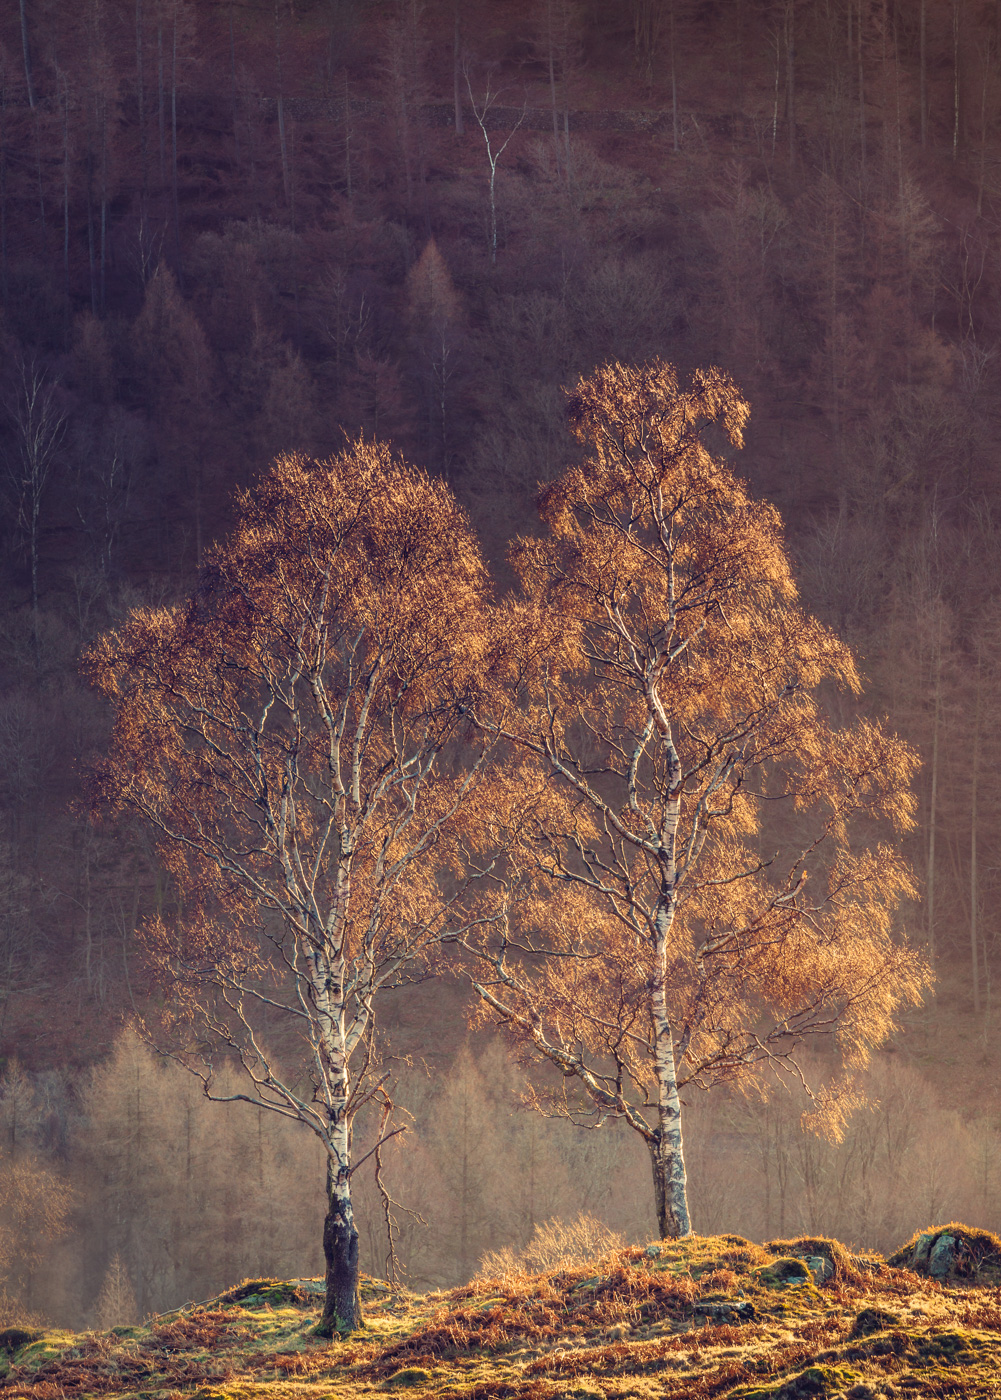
<point x="687" y="900"/>
<point x="284" y="734"/>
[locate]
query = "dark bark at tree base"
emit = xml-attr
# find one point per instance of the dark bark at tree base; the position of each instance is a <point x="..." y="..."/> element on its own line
<point x="342" y="1306"/>
<point x="670" y="1193"/>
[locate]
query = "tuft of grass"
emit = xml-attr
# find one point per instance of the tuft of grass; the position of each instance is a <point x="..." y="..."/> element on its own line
<point x="554" y="1243"/>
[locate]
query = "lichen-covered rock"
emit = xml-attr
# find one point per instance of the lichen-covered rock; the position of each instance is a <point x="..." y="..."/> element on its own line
<point x="952" y="1254"/>
<point x="784" y="1272"/>
<point x="942" y="1257"/>
<point x="820" y="1266"/>
<point x="922" y="1249"/>
<point x="827" y="1259"/>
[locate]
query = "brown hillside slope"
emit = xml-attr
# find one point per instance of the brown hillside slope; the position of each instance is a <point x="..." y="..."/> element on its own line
<point x="701" y="1317"/>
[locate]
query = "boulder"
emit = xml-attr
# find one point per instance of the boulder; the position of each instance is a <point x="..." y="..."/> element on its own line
<point x="820" y="1266"/>
<point x="942" y="1257"/>
<point x="952" y="1254"/>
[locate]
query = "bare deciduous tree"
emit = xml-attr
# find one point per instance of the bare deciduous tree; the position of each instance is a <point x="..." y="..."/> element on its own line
<point x="495" y="147"/>
<point x="37" y="423"/>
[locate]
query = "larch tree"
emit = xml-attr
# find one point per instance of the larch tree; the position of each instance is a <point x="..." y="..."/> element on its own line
<point x="291" y="735"/>
<point x="695" y="888"/>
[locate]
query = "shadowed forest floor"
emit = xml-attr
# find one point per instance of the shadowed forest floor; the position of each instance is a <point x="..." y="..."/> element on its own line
<point x="701" y="1317"/>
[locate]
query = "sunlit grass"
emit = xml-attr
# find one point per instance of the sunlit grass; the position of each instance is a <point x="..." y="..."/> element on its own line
<point x="692" y="1319"/>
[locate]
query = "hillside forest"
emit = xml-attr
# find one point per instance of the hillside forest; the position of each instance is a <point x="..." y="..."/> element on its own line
<point x="230" y="230"/>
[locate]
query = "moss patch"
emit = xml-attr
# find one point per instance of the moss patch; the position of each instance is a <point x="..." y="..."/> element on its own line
<point x="409" y="1377"/>
<point x="12" y="1339"/>
<point x="44" y="1347"/>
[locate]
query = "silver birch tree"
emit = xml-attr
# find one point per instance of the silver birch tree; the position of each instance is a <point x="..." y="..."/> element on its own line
<point x="661" y="923"/>
<point x="283" y="735"/>
<point x="483" y="107"/>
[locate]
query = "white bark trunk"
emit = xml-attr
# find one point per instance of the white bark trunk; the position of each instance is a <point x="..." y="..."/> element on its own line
<point x="667" y="1149"/>
<point x="342" y="1306"/>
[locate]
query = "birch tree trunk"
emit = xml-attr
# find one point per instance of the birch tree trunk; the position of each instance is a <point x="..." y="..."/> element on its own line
<point x="666" y="1146"/>
<point x="329" y="978"/>
<point x="342" y="1305"/>
<point x="667" y="1156"/>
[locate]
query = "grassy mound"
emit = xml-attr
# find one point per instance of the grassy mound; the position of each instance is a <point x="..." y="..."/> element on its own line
<point x="952" y="1253"/>
<point x="701" y="1317"/>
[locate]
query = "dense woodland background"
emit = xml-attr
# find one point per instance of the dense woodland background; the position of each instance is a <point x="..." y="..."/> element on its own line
<point x="234" y="227"/>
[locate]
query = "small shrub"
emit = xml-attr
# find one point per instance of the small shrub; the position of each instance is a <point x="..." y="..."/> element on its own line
<point x="554" y="1244"/>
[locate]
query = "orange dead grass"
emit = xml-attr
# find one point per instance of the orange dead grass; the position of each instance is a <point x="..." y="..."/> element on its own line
<point x="633" y="1322"/>
<point x="563" y="1303"/>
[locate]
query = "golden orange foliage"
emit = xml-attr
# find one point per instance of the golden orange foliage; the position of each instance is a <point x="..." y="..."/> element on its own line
<point x="690" y="869"/>
<point x="279" y="730"/>
<point x="287" y="734"/>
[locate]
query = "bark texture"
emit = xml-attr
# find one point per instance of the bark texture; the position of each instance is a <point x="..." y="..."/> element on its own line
<point x="670" y="1182"/>
<point x="342" y="1305"/>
